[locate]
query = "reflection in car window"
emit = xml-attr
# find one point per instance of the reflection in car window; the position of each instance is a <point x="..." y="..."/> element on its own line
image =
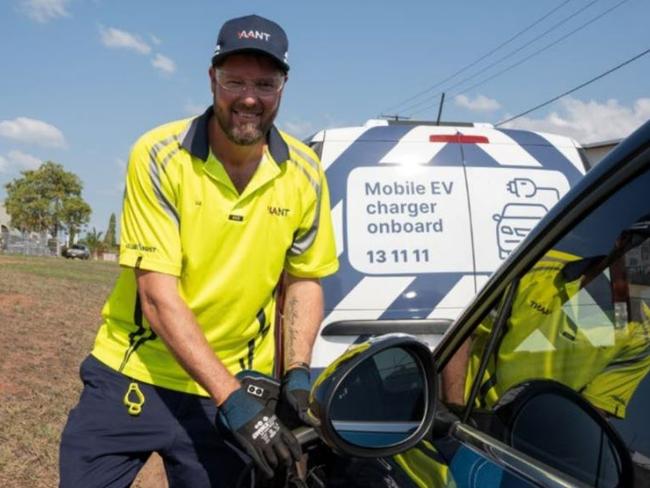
<point x="581" y="316"/>
<point x="581" y="322"/>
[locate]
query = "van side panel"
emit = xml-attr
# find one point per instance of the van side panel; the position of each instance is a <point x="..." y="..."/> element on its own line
<point x="423" y="215"/>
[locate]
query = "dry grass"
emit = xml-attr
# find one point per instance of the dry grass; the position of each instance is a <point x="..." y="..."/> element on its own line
<point x="49" y="314"/>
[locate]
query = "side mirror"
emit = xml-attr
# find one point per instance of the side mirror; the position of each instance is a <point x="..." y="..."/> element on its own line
<point x="378" y="398"/>
<point x="554" y="424"/>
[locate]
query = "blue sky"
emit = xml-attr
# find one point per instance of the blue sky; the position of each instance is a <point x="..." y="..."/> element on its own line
<point x="81" y="79"/>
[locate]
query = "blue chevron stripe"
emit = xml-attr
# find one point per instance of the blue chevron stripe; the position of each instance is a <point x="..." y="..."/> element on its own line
<point x="422" y="296"/>
<point x="449" y="155"/>
<point x="367" y="150"/>
<point x="544" y="152"/>
<point x="337" y="286"/>
<point x="473" y="155"/>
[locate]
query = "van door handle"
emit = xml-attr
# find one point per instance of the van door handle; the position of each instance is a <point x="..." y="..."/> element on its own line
<point x="378" y="327"/>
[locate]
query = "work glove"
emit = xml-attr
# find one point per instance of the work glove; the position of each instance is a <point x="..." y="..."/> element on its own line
<point x="294" y="398"/>
<point x="259" y="432"/>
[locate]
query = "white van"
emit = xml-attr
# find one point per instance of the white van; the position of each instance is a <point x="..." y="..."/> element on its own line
<point x="423" y="214"/>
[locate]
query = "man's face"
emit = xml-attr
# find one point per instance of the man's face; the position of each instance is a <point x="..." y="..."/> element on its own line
<point x="246" y="91"/>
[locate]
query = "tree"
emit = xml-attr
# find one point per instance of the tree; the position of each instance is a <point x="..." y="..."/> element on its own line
<point x="76" y="212"/>
<point x="94" y="242"/>
<point x="109" y="237"/>
<point x="47" y="199"/>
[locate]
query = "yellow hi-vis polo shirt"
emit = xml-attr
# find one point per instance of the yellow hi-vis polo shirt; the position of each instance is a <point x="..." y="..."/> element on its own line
<point x="557" y="330"/>
<point x="183" y="216"/>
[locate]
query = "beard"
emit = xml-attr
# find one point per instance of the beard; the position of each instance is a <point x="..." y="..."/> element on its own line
<point x="245" y="132"/>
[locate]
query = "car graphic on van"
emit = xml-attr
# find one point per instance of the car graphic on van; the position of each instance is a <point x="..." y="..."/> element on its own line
<point x="413" y="205"/>
<point x="514" y="223"/>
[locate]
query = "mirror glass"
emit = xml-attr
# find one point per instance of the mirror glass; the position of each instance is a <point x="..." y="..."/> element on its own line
<point x="558" y="432"/>
<point x="381" y="402"/>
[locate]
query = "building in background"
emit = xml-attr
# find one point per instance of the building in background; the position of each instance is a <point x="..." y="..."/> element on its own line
<point x="4" y="228"/>
<point x="596" y="151"/>
<point x="14" y="241"/>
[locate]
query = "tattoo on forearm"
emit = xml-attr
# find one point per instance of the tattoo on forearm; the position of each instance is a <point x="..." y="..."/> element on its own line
<point x="291" y="332"/>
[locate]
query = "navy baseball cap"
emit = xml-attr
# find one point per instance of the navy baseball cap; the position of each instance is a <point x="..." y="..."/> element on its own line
<point x="252" y="33"/>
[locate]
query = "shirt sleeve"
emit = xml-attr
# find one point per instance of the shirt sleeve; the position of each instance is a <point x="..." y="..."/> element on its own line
<point x="313" y="251"/>
<point x="150" y="220"/>
<point x="612" y="389"/>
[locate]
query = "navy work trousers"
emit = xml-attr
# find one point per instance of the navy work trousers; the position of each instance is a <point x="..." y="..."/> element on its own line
<point x="103" y="446"/>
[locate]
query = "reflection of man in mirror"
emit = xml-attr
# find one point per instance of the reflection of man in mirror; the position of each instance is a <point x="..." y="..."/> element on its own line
<point x="581" y="322"/>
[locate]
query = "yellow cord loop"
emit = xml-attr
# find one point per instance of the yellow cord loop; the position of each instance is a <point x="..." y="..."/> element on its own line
<point x="134" y="404"/>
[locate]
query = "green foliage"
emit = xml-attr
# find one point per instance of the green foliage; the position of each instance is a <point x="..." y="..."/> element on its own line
<point x="94" y="242"/>
<point x="109" y="237"/>
<point x="47" y="199"/>
<point x="76" y="212"/>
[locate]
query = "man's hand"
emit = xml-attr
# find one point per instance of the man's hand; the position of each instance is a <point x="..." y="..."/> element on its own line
<point x="294" y="398"/>
<point x="258" y="430"/>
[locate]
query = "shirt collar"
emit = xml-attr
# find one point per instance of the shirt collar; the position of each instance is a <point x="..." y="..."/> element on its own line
<point x="195" y="140"/>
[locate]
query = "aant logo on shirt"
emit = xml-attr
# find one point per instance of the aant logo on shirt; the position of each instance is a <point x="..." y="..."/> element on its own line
<point x="540" y="308"/>
<point x="279" y="211"/>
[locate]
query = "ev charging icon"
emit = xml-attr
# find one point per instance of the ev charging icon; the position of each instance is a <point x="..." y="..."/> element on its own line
<point x="517" y="218"/>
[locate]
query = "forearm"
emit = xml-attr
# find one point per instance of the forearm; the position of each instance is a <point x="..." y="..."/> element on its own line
<point x="454" y="375"/>
<point x="303" y="314"/>
<point x="173" y="321"/>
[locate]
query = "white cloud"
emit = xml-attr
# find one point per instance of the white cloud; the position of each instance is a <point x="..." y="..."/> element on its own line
<point x="32" y="131"/>
<point x="479" y="104"/>
<point x="590" y="121"/>
<point x="119" y="39"/>
<point x="44" y="10"/>
<point x="24" y="160"/>
<point x="299" y="128"/>
<point x="156" y="40"/>
<point x="163" y="63"/>
<point x="18" y="160"/>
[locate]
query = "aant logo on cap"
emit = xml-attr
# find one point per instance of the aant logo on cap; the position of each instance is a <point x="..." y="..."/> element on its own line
<point x="253" y="34"/>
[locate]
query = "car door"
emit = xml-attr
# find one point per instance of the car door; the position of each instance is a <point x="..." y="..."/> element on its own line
<point x="544" y="378"/>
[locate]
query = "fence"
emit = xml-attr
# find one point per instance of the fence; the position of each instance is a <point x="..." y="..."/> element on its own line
<point x="32" y="245"/>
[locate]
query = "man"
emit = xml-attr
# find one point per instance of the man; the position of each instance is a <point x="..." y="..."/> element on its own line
<point x="216" y="209"/>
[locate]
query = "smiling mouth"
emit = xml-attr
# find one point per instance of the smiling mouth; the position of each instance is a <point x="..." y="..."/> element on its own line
<point x="247" y="115"/>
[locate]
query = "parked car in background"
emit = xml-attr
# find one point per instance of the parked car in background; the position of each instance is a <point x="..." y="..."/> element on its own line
<point x="541" y="381"/>
<point x="76" y="251"/>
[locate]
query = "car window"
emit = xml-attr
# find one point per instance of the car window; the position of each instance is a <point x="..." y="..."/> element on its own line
<point x="579" y="316"/>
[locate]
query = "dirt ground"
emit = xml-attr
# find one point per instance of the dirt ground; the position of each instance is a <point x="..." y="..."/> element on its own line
<point x="49" y="314"/>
